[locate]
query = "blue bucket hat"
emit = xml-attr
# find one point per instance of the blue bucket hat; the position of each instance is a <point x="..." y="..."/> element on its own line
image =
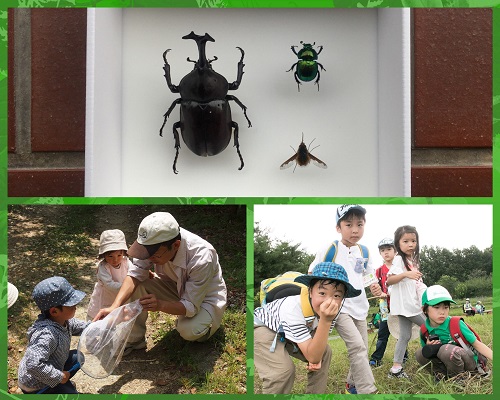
<point x="56" y="291"/>
<point x="329" y="270"/>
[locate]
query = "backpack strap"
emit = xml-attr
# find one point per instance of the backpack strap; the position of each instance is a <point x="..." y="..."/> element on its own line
<point x="306" y="304"/>
<point x="457" y="335"/>
<point x="424" y="333"/>
<point x="331" y="253"/>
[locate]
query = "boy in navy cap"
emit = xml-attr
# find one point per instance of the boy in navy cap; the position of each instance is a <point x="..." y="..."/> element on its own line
<point x="48" y="363"/>
<point x="305" y="339"/>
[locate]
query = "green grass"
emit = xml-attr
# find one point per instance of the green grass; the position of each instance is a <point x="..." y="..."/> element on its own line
<point x="420" y="381"/>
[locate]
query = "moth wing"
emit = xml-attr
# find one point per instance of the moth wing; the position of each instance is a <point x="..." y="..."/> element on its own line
<point x="316" y="161"/>
<point x="288" y="163"/>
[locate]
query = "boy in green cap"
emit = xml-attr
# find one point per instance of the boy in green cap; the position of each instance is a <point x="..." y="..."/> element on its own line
<point x="447" y="357"/>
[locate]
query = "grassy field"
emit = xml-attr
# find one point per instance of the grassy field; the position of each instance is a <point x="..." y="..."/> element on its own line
<point x="62" y="240"/>
<point x="420" y="381"/>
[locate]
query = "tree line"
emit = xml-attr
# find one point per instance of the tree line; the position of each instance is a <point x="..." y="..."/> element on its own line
<point x="464" y="272"/>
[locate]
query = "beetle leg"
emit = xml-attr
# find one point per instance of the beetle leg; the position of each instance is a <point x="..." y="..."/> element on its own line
<point x="237" y="143"/>
<point x="321" y="67"/>
<point x="243" y="107"/>
<point x="236" y="83"/>
<point x="320" y="49"/>
<point x="177" y="143"/>
<point x="292" y="67"/>
<point x="167" y="114"/>
<point x="317" y="80"/>
<point x="297" y="80"/>
<point x="295" y="51"/>
<point x="166" y="68"/>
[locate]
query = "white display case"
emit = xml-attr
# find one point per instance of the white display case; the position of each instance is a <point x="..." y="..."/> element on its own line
<point x="360" y="117"/>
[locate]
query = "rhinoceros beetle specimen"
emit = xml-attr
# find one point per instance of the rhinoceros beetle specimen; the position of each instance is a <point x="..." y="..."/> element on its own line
<point x="307" y="66"/>
<point x="303" y="157"/>
<point x="205" y="120"/>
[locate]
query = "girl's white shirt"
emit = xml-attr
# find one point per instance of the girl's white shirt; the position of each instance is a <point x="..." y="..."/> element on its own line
<point x="109" y="282"/>
<point x="406" y="295"/>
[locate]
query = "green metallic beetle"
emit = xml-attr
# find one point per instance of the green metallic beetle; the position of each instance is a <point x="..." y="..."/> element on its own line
<point x="307" y="66"/>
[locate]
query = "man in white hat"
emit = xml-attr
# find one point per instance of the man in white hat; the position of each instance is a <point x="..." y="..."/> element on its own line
<point x="187" y="280"/>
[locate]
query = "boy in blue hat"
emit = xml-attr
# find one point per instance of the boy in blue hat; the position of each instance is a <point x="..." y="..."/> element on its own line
<point x="47" y="362"/>
<point x="305" y="339"/>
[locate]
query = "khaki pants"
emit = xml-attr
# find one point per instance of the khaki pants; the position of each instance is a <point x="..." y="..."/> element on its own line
<point x="451" y="360"/>
<point x="355" y="335"/>
<point x="198" y="328"/>
<point x="277" y="369"/>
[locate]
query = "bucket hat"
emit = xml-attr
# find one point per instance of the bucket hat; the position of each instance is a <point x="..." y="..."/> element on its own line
<point x="12" y="294"/>
<point x="56" y="291"/>
<point x="393" y="325"/>
<point x="156" y="228"/>
<point x="112" y="240"/>
<point x="345" y="208"/>
<point x="436" y="294"/>
<point x="329" y="270"/>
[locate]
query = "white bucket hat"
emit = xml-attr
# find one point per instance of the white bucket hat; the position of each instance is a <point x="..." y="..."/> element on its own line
<point x="112" y="240"/>
<point x="156" y="228"/>
<point x="12" y="294"/>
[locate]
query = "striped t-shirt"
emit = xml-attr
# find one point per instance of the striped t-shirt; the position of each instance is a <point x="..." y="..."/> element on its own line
<point x="287" y="314"/>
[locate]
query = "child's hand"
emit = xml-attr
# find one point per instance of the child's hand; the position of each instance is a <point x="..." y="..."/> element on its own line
<point x="328" y="310"/>
<point x="66" y="377"/>
<point x="313" y="367"/>
<point x="376" y="290"/>
<point x="415" y="274"/>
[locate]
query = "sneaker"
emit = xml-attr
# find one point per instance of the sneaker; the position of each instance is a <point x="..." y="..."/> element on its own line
<point x="134" y="346"/>
<point x="398" y="374"/>
<point x="350" y="389"/>
<point x="375" y="363"/>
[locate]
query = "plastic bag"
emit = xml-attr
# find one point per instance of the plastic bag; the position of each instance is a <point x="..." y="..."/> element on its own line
<point x="102" y="343"/>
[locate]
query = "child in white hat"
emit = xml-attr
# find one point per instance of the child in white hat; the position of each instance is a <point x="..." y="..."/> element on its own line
<point x="111" y="270"/>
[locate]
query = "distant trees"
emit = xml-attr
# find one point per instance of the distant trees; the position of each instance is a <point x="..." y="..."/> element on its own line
<point x="464" y="272"/>
<point x="273" y="257"/>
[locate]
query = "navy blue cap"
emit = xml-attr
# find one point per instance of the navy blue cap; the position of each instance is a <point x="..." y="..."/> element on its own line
<point x="56" y="291"/>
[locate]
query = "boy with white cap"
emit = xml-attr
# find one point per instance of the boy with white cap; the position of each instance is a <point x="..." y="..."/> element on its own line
<point x="111" y="270"/>
<point x="187" y="280"/>
<point x="351" y="324"/>
<point x="48" y="363"/>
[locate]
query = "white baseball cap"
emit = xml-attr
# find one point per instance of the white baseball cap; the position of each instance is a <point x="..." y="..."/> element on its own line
<point x="345" y="208"/>
<point x="112" y="240"/>
<point x="156" y="228"/>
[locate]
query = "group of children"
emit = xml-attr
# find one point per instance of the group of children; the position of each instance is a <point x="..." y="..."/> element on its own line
<point x="48" y="363"/>
<point x="337" y="296"/>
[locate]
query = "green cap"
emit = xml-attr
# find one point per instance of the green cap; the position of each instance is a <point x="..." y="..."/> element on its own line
<point x="436" y="294"/>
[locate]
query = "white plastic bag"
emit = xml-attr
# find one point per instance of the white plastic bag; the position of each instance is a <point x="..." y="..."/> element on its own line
<point x="102" y="343"/>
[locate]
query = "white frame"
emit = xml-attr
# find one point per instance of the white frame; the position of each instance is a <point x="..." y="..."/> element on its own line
<point x="123" y="162"/>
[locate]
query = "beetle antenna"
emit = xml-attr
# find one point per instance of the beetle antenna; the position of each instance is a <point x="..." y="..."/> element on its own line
<point x="311" y="143"/>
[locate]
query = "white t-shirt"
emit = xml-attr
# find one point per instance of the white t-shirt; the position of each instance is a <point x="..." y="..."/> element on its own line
<point x="357" y="307"/>
<point x="404" y="296"/>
